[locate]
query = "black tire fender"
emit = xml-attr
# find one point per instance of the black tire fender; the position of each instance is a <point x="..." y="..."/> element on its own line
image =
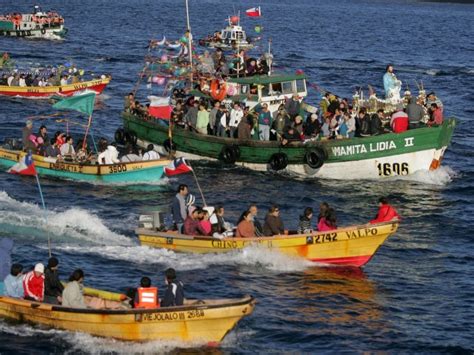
<point x="43" y="31"/>
<point x="315" y="158"/>
<point x="228" y="154"/>
<point x="278" y="161"/>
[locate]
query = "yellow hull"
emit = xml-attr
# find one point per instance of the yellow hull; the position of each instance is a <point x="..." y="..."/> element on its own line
<point x="203" y="322"/>
<point x="351" y="246"/>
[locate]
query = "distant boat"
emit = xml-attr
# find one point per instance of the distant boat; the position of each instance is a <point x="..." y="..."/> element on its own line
<point x="349" y="246"/>
<point x="38" y="24"/>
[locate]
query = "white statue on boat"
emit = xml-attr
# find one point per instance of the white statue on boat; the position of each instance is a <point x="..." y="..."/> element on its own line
<point x="392" y="86"/>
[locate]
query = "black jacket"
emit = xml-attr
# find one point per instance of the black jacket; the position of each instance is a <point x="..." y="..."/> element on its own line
<point x="52" y="286"/>
<point x="174" y="295"/>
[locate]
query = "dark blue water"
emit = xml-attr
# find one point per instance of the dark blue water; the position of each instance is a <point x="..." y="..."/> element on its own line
<point x="416" y="294"/>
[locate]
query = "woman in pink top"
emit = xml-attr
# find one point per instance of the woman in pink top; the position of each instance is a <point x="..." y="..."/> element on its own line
<point x="205" y="223"/>
<point x="328" y="221"/>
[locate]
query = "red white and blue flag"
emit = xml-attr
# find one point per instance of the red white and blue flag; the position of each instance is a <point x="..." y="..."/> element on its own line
<point x="177" y="166"/>
<point x="254" y="12"/>
<point x="25" y="166"/>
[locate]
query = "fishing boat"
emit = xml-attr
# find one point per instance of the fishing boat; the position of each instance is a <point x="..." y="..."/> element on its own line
<point x="47" y="92"/>
<point x="232" y="37"/>
<point x="38" y="24"/>
<point x="204" y="322"/>
<point x="349" y="246"/>
<point x="134" y="172"/>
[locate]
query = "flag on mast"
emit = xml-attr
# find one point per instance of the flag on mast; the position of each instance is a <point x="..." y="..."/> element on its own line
<point x="254" y="12"/>
<point x="25" y="166"/>
<point x="177" y="166"/>
<point x="83" y="103"/>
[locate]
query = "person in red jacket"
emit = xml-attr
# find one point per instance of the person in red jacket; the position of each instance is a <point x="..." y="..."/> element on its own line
<point x="386" y="212"/>
<point x="33" y="284"/>
<point x="399" y="120"/>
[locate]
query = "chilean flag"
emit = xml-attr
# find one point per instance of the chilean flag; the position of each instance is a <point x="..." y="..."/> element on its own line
<point x="25" y="166"/>
<point x="160" y="107"/>
<point x="254" y="12"/>
<point x="177" y="166"/>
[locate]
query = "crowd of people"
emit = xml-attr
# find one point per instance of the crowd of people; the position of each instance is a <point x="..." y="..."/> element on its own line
<point x="42" y="284"/>
<point x="209" y="221"/>
<point x="63" y="148"/>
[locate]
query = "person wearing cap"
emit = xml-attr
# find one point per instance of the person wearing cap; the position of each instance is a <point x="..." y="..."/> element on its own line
<point x="53" y="288"/>
<point x="174" y="294"/>
<point x="73" y="293"/>
<point x="399" y="120"/>
<point x="14" y="282"/>
<point x="26" y="133"/>
<point x="33" y="284"/>
<point x="178" y="207"/>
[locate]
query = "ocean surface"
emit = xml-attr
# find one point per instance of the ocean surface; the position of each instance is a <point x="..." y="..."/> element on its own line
<point x="415" y="296"/>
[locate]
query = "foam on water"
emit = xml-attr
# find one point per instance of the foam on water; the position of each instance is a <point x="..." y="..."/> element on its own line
<point x="439" y="177"/>
<point x="71" y="224"/>
<point x="263" y="258"/>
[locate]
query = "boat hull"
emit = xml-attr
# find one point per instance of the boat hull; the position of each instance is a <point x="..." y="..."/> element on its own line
<point x="35" y="92"/>
<point x="143" y="171"/>
<point x="204" y="322"/>
<point x="351" y="246"/>
<point x="372" y="157"/>
<point x="54" y="33"/>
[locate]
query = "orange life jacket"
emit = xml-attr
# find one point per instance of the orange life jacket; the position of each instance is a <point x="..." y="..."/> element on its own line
<point x="147" y="297"/>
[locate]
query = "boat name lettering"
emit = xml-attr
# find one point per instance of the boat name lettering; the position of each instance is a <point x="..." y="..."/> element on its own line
<point x="118" y="168"/>
<point x="232" y="244"/>
<point x="361" y="233"/>
<point x="66" y="167"/>
<point x="389" y="169"/>
<point x="325" y="238"/>
<point x="32" y="90"/>
<point x="363" y="148"/>
<point x="80" y="86"/>
<point x="409" y="142"/>
<point x="153" y="317"/>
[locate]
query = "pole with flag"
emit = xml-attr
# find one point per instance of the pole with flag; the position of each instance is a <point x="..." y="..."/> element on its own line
<point x="254" y="12"/>
<point x="26" y="167"/>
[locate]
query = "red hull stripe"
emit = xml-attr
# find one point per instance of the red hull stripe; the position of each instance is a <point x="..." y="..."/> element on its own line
<point x="347" y="261"/>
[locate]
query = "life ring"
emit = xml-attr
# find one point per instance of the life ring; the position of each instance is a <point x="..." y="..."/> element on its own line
<point x="130" y="137"/>
<point x="120" y="136"/>
<point x="315" y="158"/>
<point x="218" y="93"/>
<point x="228" y="154"/>
<point x="169" y="146"/>
<point x="278" y="161"/>
<point x="43" y="31"/>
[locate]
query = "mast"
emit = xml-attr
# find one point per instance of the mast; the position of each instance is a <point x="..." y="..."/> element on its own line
<point x="190" y="39"/>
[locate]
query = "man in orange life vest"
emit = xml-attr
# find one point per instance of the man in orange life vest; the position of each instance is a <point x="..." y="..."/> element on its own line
<point x="146" y="296"/>
<point x="386" y="212"/>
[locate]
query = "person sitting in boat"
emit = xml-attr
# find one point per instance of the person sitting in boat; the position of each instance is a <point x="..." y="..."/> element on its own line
<point x="151" y="153"/>
<point x="13" y="283"/>
<point x="386" y="212"/>
<point x="325" y="127"/>
<point x="64" y="80"/>
<point x="362" y="123"/>
<point x="432" y="99"/>
<point x="245" y="228"/>
<point x="323" y="208"/>
<point x="436" y="115"/>
<point x="328" y="221"/>
<point x="273" y="223"/>
<point x="348" y="126"/>
<point x="174" y="294"/>
<point x="290" y="134"/>
<point x="191" y="224"/>
<point x="145" y="296"/>
<point x="312" y="127"/>
<point x="376" y="122"/>
<point x="178" y="207"/>
<point x="304" y="225"/>
<point x="26" y="133"/>
<point x="293" y="106"/>
<point x="52" y="150"/>
<point x="219" y="225"/>
<point x="67" y="149"/>
<point x="399" y="120"/>
<point x="53" y="288"/>
<point x="22" y="81"/>
<point x="33" y="284"/>
<point x="109" y="155"/>
<point x="205" y="222"/>
<point x="298" y="126"/>
<point x="131" y="156"/>
<point x="6" y="246"/>
<point x="415" y="112"/>
<point x="73" y="293"/>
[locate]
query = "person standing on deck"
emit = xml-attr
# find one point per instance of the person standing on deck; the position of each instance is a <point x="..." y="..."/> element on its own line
<point x="178" y="207"/>
<point x="174" y="294"/>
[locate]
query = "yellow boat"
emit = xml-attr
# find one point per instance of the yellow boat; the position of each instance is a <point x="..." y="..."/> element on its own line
<point x="201" y="322"/>
<point x="350" y="246"/>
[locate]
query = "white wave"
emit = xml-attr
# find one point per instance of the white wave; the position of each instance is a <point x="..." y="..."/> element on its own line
<point x="440" y="177"/>
<point x="262" y="258"/>
<point x="433" y="72"/>
<point x="71" y="224"/>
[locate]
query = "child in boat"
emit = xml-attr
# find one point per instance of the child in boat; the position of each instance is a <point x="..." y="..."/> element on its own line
<point x="304" y="225"/>
<point x="174" y="294"/>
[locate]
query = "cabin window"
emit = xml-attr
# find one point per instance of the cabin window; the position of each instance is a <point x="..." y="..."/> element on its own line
<point x="301" y="85"/>
<point x="244" y="89"/>
<point x="287" y="87"/>
<point x="224" y="35"/>
<point x="276" y="88"/>
<point x="239" y="35"/>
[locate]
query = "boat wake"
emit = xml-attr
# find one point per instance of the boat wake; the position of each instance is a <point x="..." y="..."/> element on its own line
<point x="259" y="258"/>
<point x="23" y="220"/>
<point x="439" y="177"/>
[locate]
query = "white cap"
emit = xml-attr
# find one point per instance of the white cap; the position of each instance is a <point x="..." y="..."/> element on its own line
<point x="39" y="268"/>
